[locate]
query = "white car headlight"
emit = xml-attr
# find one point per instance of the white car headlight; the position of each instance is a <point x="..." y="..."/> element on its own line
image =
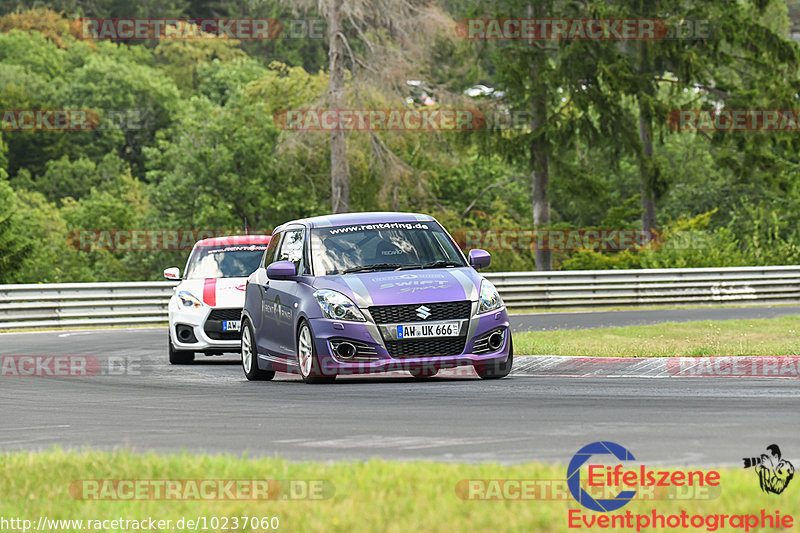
<point x="489" y="299"/>
<point x="188" y="300"/>
<point x="337" y="306"/>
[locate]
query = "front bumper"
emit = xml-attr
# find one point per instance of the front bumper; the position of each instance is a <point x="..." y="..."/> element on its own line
<point x="371" y="340"/>
<point x="196" y="319"/>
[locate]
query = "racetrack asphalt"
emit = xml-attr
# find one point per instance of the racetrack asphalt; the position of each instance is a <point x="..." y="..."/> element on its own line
<point x="139" y="400"/>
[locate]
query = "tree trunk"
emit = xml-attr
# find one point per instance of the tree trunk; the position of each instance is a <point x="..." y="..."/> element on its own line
<point x="540" y="176"/>
<point x="646" y="171"/>
<point x="340" y="184"/>
<point x="646" y="163"/>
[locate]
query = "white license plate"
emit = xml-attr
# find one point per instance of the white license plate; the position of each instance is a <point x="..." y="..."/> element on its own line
<point x="416" y="331"/>
<point x="231" y="325"/>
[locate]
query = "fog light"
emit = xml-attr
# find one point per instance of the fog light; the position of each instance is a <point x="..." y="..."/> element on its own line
<point x="345" y="350"/>
<point x="496" y="340"/>
<point x="185" y="333"/>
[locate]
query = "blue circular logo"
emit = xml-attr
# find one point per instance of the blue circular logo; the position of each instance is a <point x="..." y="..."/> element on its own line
<point x="574" y="476"/>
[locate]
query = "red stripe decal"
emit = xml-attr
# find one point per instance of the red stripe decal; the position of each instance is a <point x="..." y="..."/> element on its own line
<point x="210" y="292"/>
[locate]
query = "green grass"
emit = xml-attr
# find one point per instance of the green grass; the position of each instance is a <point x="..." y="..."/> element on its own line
<point x="369" y="496"/>
<point x="589" y="309"/>
<point x="767" y="336"/>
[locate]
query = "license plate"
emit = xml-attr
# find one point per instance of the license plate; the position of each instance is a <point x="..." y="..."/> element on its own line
<point x="231" y="325"/>
<point x="416" y="331"/>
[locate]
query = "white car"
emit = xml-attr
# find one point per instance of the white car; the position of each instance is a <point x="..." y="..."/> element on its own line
<point x="205" y="310"/>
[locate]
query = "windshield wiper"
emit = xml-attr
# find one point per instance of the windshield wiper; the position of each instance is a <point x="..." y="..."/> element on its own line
<point x="441" y="264"/>
<point x="366" y="268"/>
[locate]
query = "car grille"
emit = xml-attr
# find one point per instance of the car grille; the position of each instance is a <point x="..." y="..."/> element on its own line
<point x="213" y="325"/>
<point x="225" y="314"/>
<point x="426" y="347"/>
<point x="224" y="335"/>
<point x="391" y="314"/>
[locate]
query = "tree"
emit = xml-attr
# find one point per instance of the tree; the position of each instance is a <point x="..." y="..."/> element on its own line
<point x="14" y="245"/>
<point x="220" y="170"/>
<point x="654" y="75"/>
<point x="340" y="183"/>
<point x="384" y="36"/>
<point x="527" y="70"/>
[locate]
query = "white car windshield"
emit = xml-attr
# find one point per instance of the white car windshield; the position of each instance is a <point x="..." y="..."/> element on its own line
<point x="382" y="246"/>
<point x="224" y="261"/>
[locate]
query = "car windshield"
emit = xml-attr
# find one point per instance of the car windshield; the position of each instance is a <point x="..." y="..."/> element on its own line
<point x="224" y="261"/>
<point x="382" y="246"/>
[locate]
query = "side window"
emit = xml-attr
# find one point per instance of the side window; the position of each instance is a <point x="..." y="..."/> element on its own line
<point x="273" y="246"/>
<point x="292" y="248"/>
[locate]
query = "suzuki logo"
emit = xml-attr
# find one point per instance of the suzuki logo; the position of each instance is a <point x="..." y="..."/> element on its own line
<point x="423" y="312"/>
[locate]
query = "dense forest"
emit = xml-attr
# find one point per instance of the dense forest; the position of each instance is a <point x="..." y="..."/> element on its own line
<point x="190" y="134"/>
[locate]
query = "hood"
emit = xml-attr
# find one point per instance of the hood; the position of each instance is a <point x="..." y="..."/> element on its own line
<point x="216" y="292"/>
<point x="405" y="286"/>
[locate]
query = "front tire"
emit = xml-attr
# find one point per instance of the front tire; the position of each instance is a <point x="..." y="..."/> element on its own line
<point x="307" y="358"/>
<point x="497" y="369"/>
<point x="179" y="357"/>
<point x="250" y="356"/>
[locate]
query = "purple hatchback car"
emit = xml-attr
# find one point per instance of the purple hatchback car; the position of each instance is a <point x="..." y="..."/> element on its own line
<point x="371" y="292"/>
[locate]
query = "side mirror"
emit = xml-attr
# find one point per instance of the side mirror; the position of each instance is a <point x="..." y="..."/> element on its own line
<point x="479" y="258"/>
<point x="172" y="273"/>
<point x="281" y="270"/>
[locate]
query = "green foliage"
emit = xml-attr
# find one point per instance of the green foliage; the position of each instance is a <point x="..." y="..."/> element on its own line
<point x="63" y="177"/>
<point x="51" y="259"/>
<point x="112" y="85"/>
<point x="15" y="245"/>
<point x="180" y="60"/>
<point x="691" y="243"/>
<point x="285" y="87"/>
<point x="187" y="137"/>
<point x="219" y="170"/>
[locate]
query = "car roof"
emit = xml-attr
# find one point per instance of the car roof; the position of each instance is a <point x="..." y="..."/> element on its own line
<point x="233" y="240"/>
<point x="370" y="217"/>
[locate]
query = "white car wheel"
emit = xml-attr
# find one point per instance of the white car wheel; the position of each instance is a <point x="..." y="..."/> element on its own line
<point x="247" y="351"/>
<point x="305" y="352"/>
<point x="250" y="356"/>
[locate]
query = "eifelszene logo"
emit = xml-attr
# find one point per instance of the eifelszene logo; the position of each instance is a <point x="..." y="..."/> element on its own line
<point x="633" y="477"/>
<point x="774" y="473"/>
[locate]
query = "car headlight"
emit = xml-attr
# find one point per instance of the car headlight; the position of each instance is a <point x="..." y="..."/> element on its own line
<point x="337" y="306"/>
<point x="489" y="299"/>
<point x="188" y="300"/>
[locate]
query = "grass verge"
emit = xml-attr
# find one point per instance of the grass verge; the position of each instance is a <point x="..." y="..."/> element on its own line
<point x="386" y="496"/>
<point x="590" y="309"/>
<point x="765" y="336"/>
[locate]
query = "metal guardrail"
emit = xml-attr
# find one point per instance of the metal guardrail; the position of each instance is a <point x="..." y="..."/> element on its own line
<point x="136" y="303"/>
<point x="658" y="286"/>
<point x="84" y="304"/>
